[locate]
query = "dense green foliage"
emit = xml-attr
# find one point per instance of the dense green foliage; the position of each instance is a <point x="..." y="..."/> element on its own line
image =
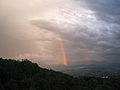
<point x="25" y="75"/>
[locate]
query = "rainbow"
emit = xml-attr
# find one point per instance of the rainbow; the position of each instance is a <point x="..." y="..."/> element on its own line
<point x="65" y="59"/>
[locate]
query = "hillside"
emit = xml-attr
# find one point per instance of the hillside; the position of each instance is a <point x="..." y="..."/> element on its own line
<point x="25" y="75"/>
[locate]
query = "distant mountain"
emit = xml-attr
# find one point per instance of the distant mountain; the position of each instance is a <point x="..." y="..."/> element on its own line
<point x="96" y="70"/>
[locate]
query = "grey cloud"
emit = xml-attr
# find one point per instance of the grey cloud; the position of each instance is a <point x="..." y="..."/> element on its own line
<point x="107" y="10"/>
<point x="90" y="29"/>
<point x="83" y="41"/>
<point x="78" y="42"/>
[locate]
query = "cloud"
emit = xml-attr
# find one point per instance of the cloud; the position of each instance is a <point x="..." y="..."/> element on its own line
<point x="105" y="9"/>
<point x="90" y="33"/>
<point x="108" y="11"/>
<point x="18" y="36"/>
<point x="89" y="28"/>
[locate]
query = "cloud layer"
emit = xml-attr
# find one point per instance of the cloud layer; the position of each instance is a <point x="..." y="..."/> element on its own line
<point x="90" y="30"/>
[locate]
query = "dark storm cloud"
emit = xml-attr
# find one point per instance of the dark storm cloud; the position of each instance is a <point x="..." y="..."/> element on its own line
<point x="108" y="11"/>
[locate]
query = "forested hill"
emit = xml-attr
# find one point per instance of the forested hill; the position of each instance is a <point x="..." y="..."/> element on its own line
<point x="25" y="75"/>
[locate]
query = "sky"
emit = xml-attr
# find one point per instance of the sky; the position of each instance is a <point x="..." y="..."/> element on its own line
<point x="60" y="32"/>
